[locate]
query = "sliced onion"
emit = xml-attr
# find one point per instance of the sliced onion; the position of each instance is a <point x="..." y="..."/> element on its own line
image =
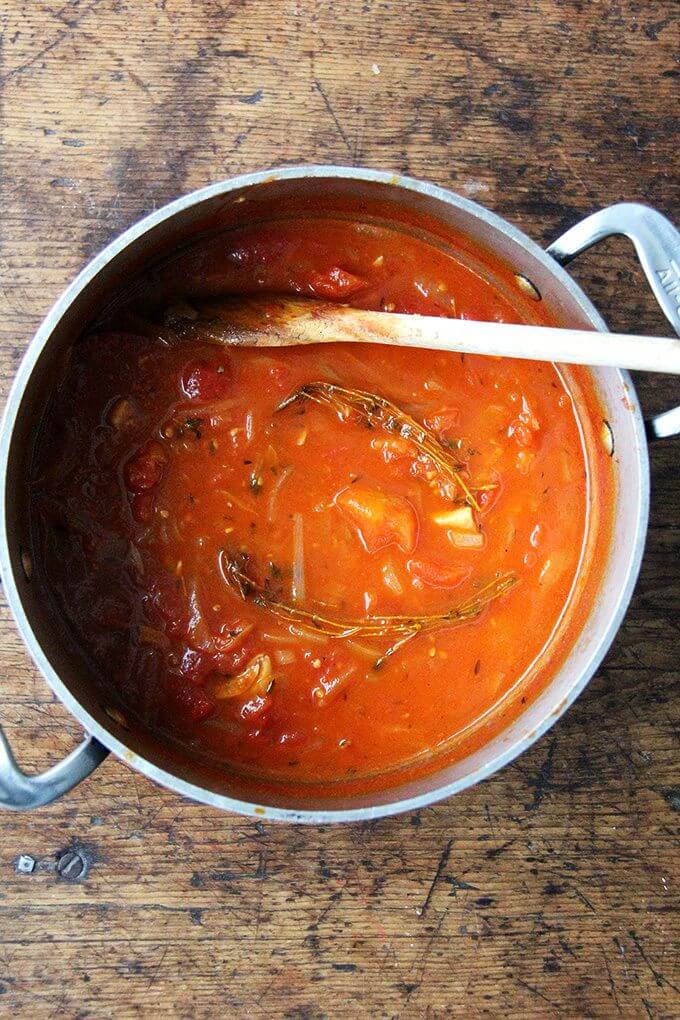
<point x="459" y="519"/>
<point x="391" y="579"/>
<point x="199" y="633"/>
<point x="298" y="589"/>
<point x="152" y="636"/>
<point x="279" y="639"/>
<point x="363" y="651"/>
<point x="329" y="687"/>
<point x="465" y="539"/>
<point x="274" y="494"/>
<point x="255" y="679"/>
<point x="313" y="636"/>
<point x="284" y="656"/>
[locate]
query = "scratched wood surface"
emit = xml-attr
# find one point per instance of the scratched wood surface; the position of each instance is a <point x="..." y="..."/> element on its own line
<point x="551" y="889"/>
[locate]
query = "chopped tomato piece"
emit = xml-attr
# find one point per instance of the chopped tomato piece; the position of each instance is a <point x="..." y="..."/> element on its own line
<point x="231" y="661"/>
<point x="391" y="578"/>
<point x="143" y="504"/>
<point x="166" y="598"/>
<point x="488" y="497"/>
<point x="444" y="422"/>
<point x="393" y="448"/>
<point x="146" y="468"/>
<point x="524" y="426"/>
<point x="521" y="433"/>
<point x="204" y="380"/>
<point x="335" y="283"/>
<point x="112" y="614"/>
<point x="256" y="706"/>
<point x="196" y="666"/>
<point x="191" y="704"/>
<point x="438" y="575"/>
<point x="380" y="519"/>
<point x="230" y="635"/>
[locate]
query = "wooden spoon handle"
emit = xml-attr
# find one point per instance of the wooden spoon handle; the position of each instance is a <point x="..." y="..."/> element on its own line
<point x="288" y="322"/>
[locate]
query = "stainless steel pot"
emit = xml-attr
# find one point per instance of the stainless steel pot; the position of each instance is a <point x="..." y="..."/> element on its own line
<point x="658" y="247"/>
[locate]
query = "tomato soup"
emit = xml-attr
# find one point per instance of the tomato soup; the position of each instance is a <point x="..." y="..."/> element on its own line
<point x="317" y="565"/>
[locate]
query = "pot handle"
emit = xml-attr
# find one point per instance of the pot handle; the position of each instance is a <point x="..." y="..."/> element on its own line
<point x="20" y="792"/>
<point x="657" y="244"/>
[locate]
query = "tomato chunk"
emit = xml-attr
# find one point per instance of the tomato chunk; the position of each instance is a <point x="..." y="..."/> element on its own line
<point x="380" y="519"/>
<point x="195" y="666"/>
<point x="393" y="448"/>
<point x="192" y="704"/>
<point x="438" y="575"/>
<point x="143" y="505"/>
<point x="524" y="427"/>
<point x="444" y="422"/>
<point x="146" y="468"/>
<point x="522" y="433"/>
<point x="165" y="598"/>
<point x="205" y="380"/>
<point x="255" y="706"/>
<point x="335" y="283"/>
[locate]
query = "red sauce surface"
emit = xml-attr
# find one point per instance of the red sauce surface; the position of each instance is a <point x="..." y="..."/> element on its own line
<point x="159" y="459"/>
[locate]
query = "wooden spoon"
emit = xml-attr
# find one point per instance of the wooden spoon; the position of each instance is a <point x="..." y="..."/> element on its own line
<point x="273" y="321"/>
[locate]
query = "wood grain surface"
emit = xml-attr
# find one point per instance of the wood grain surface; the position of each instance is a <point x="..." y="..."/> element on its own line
<point x="552" y="888"/>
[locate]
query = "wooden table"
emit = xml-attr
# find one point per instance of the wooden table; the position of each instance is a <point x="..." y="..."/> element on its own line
<point x="550" y="889"/>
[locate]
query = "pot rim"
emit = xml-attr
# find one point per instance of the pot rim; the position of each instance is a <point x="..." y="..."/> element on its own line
<point x="22" y="379"/>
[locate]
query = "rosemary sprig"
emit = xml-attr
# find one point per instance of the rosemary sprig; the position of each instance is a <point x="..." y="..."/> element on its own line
<point x="404" y="628"/>
<point x="377" y="411"/>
